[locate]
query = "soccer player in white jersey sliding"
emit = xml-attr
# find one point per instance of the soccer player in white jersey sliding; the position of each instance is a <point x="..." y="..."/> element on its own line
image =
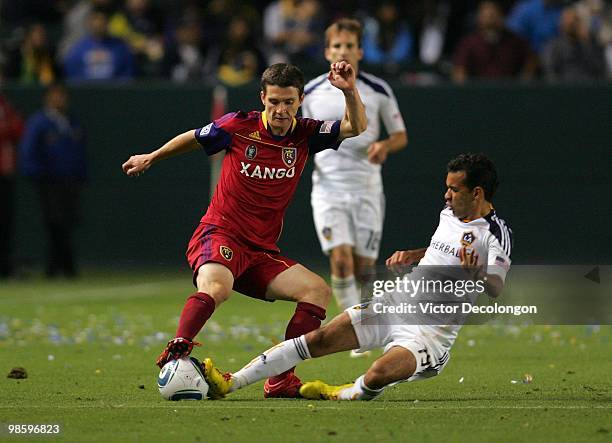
<point x="347" y="194"/>
<point x="470" y="236"/>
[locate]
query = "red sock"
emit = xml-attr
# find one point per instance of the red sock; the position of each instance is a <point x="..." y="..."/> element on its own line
<point x="307" y="318"/>
<point x="197" y="310"/>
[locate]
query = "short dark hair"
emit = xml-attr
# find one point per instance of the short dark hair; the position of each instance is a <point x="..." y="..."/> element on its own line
<point x="344" y="24"/>
<point x="284" y="75"/>
<point x="479" y="171"/>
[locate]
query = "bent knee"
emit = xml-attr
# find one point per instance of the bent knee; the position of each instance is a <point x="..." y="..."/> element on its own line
<point x="218" y="291"/>
<point x="342" y="265"/>
<point x="341" y="261"/>
<point x="316" y="292"/>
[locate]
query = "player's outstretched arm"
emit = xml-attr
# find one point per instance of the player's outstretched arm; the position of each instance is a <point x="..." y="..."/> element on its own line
<point x="138" y="164"/>
<point x="342" y="76"/>
<point x="405" y="258"/>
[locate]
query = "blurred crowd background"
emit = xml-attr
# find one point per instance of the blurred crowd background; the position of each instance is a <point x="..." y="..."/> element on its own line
<point x="232" y="41"/>
<point x="85" y="82"/>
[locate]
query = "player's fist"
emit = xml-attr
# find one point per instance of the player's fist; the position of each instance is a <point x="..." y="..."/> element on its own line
<point x="377" y="153"/>
<point x="468" y="257"/>
<point x="136" y="165"/>
<point x="342" y="75"/>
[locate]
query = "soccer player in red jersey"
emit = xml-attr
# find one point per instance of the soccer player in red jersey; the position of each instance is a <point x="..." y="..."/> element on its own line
<point x="234" y="246"/>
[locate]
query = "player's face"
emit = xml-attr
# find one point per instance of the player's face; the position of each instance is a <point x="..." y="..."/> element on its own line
<point x="281" y="105"/>
<point x="459" y="197"/>
<point x="343" y="45"/>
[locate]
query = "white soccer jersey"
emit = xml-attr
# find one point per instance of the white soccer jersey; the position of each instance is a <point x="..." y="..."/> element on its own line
<point x="491" y="239"/>
<point x="489" y="236"/>
<point x="348" y="168"/>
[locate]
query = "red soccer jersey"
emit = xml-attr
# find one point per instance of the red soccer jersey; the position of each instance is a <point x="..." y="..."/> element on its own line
<point x="260" y="171"/>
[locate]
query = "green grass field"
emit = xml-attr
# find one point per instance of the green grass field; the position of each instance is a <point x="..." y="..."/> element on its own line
<point x="89" y="349"/>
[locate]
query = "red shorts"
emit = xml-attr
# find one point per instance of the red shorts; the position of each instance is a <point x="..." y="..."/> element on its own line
<point x="253" y="269"/>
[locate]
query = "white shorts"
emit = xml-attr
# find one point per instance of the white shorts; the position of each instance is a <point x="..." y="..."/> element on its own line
<point x="431" y="356"/>
<point x="354" y="219"/>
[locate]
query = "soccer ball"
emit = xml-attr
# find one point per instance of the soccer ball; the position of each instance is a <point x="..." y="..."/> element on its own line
<point x="182" y="380"/>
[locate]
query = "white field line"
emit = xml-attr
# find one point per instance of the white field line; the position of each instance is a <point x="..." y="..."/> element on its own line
<point x="280" y="406"/>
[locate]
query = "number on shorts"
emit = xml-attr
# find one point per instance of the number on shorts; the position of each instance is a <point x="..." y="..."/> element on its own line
<point x="373" y="240"/>
<point x="424" y="356"/>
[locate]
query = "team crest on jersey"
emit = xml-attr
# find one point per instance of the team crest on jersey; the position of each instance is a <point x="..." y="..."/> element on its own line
<point x="327" y="233"/>
<point x="226" y="252"/>
<point x="289" y="156"/>
<point x="251" y="152"/>
<point x="468" y="238"/>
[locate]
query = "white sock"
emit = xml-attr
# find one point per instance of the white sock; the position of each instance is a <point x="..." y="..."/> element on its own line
<point x="345" y="290"/>
<point x="359" y="391"/>
<point x="274" y="361"/>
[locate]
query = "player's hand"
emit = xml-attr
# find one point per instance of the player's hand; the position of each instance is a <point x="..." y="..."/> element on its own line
<point x="377" y="153"/>
<point x="137" y="165"/>
<point x="342" y="76"/>
<point x="400" y="259"/>
<point x="469" y="260"/>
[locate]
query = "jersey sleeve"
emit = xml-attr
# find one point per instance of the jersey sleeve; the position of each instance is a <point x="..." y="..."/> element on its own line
<point x="214" y="137"/>
<point x="306" y="112"/>
<point x="324" y="136"/>
<point x="391" y="115"/>
<point x="498" y="261"/>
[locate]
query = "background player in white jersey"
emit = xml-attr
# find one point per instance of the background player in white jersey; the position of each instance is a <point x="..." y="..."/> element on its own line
<point x="347" y="195"/>
<point x="470" y="235"/>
